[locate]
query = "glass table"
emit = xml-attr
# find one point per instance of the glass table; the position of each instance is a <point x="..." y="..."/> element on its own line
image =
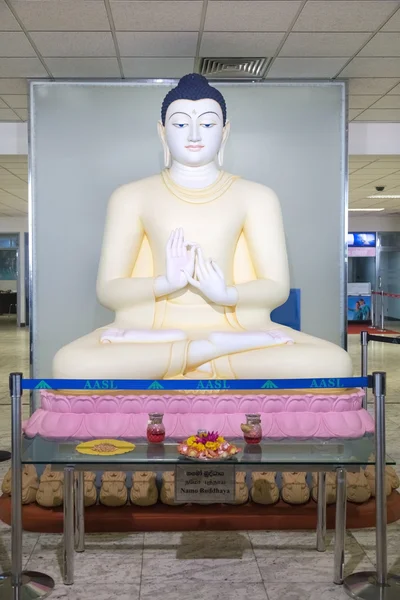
<point x="284" y="455"/>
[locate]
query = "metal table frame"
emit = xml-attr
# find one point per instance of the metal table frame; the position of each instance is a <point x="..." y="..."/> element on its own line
<point x="21" y="585"/>
<point x="74" y="509"/>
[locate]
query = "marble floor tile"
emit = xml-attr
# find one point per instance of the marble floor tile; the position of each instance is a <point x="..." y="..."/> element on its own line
<point x="286" y="556"/>
<point x="29" y="543"/>
<point x="201" y="590"/>
<point x="200" y="556"/>
<point x="100" y="562"/>
<point x="118" y="591"/>
<point x="286" y="540"/>
<point x="366" y="539"/>
<point x="305" y="591"/>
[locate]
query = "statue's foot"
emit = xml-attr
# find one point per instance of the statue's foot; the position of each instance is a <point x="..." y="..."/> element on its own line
<point x="264" y="489"/>
<point x="330" y="487"/>
<point x="241" y="489"/>
<point x="51" y="489"/>
<point x="391" y="480"/>
<point x="113" y="490"/>
<point x="90" y="491"/>
<point x="358" y="490"/>
<point x="144" y="489"/>
<point x="225" y="343"/>
<point x="229" y="343"/>
<point x="294" y="488"/>
<point x="141" y="336"/>
<point x="167" y="494"/>
<point x="30" y="484"/>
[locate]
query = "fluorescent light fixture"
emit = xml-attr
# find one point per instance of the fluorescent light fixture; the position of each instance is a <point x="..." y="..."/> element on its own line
<point x="384" y="196"/>
<point x="366" y="209"/>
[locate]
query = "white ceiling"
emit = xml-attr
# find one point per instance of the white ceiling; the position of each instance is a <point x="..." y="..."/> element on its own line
<point x="13" y="186"/>
<point x="353" y="39"/>
<point x="365" y="172"/>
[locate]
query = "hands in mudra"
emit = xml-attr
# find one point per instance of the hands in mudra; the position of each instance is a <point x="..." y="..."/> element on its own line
<point x="185" y="264"/>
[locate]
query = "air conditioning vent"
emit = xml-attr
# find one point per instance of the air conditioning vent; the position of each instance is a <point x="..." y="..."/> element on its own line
<point x="234" y="68"/>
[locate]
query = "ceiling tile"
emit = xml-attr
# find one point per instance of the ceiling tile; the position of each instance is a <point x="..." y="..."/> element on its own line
<point x="371" y="85"/>
<point x="388" y="102"/>
<point x="383" y="44"/>
<point x="372" y="67"/>
<point x="74" y="43"/>
<point x="7" y="19"/>
<point x="157" y="67"/>
<point x="393" y="24"/>
<point x="65" y="15"/>
<point x="15" y="43"/>
<point x="229" y="44"/>
<point x="250" y="16"/>
<point x="305" y="67"/>
<point x="342" y="15"/>
<point x="22" y="112"/>
<point x="6" y="114"/>
<point x="13" y="86"/>
<point x="84" y="67"/>
<point x="323" y="44"/>
<point x="157" y="16"/>
<point x="3" y="104"/>
<point x="395" y="90"/>
<point x="156" y="44"/>
<point x="16" y="101"/>
<point x="21" y="67"/>
<point x="362" y="101"/>
<point x="389" y="115"/>
<point x="354" y="113"/>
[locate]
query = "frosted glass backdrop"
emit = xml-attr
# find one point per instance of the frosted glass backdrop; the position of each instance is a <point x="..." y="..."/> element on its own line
<point x="89" y="138"/>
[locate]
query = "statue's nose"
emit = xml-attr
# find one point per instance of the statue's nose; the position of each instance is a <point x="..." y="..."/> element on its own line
<point x="194" y="133"/>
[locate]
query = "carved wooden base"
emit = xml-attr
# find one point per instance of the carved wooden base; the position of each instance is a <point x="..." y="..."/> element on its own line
<point x="159" y="517"/>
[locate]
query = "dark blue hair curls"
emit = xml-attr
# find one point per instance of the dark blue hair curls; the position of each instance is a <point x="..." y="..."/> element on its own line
<point x="193" y="87"/>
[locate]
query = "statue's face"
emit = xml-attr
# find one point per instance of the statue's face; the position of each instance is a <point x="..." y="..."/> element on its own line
<point x="194" y="131"/>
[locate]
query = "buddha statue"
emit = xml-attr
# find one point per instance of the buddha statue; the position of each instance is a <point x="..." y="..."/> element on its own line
<point x="193" y="262"/>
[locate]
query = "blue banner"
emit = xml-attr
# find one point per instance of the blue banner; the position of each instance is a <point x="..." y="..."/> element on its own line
<point x="192" y="384"/>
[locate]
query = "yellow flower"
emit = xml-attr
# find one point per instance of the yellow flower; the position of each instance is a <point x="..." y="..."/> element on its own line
<point x="212" y="445"/>
<point x="191" y="440"/>
<point x="199" y="447"/>
<point x="220" y="440"/>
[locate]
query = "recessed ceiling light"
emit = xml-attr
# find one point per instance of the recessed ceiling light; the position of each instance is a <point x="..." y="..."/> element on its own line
<point x="366" y="209"/>
<point x="383" y="196"/>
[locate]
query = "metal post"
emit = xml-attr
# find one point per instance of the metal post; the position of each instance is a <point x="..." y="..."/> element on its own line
<point x="340" y="525"/>
<point x="19" y="585"/>
<point x="16" y="475"/>
<point x="377" y="585"/>
<point x="321" y="518"/>
<point x="364" y="364"/>
<point x="80" y="512"/>
<point x="380" y="486"/>
<point x="382" y="313"/>
<point x="69" y="546"/>
<point x="373" y="316"/>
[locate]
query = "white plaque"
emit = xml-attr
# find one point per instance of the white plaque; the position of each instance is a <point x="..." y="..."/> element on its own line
<point x="205" y="484"/>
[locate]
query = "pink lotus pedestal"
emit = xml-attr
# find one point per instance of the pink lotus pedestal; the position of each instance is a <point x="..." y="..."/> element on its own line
<point x="301" y="415"/>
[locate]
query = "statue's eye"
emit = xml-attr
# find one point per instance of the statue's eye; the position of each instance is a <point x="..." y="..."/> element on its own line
<point x="180" y="125"/>
<point x="207" y="125"/>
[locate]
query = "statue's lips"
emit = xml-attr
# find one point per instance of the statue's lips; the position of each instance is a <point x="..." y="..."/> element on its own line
<point x="194" y="148"/>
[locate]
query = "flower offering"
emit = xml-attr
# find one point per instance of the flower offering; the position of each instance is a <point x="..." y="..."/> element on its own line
<point x="207" y="446"/>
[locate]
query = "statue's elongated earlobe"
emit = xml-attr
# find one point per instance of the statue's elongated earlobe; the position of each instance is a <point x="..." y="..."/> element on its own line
<point x="220" y="156"/>
<point x="167" y="153"/>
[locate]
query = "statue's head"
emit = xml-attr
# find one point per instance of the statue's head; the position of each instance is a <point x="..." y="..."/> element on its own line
<point x="193" y="126"/>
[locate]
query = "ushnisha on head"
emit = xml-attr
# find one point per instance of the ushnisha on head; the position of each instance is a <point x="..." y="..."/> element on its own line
<point x="193" y="126"/>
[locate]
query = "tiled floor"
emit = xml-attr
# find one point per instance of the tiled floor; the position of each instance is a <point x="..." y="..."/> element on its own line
<point x="198" y="565"/>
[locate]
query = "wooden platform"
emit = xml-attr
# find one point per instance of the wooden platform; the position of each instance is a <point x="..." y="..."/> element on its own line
<point x="100" y="519"/>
